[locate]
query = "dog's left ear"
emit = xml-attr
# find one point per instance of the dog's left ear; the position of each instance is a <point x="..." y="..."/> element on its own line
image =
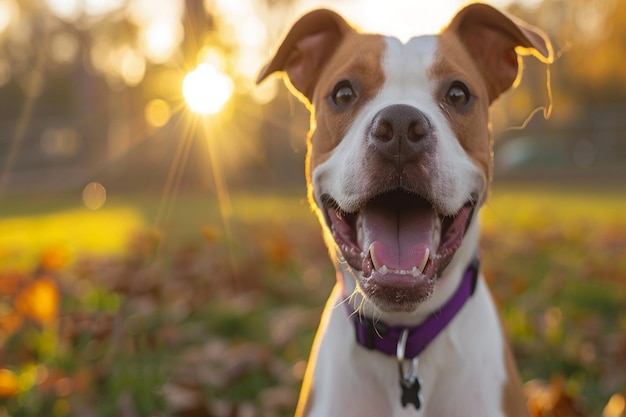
<point x="494" y="40"/>
<point x="305" y="50"/>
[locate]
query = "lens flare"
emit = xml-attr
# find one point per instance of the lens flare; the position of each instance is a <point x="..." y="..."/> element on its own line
<point x="207" y="90"/>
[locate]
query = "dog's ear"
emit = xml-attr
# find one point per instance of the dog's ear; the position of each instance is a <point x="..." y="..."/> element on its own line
<point x="496" y="42"/>
<point x="305" y="50"/>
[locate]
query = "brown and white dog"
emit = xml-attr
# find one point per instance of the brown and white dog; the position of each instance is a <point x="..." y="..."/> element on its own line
<point x="399" y="161"/>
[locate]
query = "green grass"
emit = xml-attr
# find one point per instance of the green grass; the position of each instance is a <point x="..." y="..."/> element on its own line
<point x="162" y="302"/>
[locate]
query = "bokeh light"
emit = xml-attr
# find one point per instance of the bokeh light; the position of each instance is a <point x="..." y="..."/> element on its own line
<point x="207" y="90"/>
<point x="132" y="66"/>
<point x="157" y="112"/>
<point x="65" y="9"/>
<point x="94" y="195"/>
<point x="265" y="92"/>
<point x="60" y="142"/>
<point x="72" y="9"/>
<point x="160" y="28"/>
<point x="160" y="39"/>
<point x="9" y="12"/>
<point x="64" y="48"/>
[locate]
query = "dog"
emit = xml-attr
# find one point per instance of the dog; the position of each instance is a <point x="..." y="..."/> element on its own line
<point x="399" y="161"/>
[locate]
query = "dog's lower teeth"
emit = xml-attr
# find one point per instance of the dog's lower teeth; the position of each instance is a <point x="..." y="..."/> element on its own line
<point x="383" y="270"/>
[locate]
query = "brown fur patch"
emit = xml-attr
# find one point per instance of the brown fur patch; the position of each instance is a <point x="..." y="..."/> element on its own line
<point x="513" y="401"/>
<point x="469" y="125"/>
<point x="358" y="60"/>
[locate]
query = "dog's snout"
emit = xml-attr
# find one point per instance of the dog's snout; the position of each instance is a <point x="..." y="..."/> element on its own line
<point x="400" y="131"/>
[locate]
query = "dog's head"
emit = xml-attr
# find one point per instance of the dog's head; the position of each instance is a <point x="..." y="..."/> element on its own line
<point x="399" y="153"/>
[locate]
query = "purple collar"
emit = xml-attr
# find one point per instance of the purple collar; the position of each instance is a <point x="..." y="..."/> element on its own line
<point x="384" y="338"/>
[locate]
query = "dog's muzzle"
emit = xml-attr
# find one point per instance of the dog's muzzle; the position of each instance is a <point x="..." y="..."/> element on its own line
<point x="396" y="240"/>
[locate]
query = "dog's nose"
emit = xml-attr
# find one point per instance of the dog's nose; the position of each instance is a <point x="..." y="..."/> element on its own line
<point x="400" y="132"/>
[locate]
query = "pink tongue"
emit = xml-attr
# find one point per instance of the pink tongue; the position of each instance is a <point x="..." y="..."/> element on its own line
<point x="399" y="236"/>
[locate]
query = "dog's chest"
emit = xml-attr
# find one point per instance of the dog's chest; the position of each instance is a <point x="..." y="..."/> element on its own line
<point x="461" y="373"/>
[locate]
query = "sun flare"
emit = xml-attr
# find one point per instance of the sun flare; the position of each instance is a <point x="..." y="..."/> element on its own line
<point x="206" y="90"/>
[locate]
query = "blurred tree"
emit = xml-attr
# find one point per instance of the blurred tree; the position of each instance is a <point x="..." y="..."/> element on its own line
<point x="91" y="69"/>
<point x="588" y="84"/>
<point x="590" y="40"/>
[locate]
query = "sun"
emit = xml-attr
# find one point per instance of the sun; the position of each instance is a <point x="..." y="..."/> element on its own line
<point x="206" y="90"/>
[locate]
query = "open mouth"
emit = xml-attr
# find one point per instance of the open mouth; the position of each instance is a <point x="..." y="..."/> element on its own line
<point x="399" y="243"/>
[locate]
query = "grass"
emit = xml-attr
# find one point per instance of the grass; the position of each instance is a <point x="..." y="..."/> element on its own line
<point x="168" y="309"/>
<point x="556" y="262"/>
<point x="68" y="233"/>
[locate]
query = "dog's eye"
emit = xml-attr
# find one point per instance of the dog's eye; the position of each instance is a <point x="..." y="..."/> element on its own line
<point x="458" y="94"/>
<point x="343" y="94"/>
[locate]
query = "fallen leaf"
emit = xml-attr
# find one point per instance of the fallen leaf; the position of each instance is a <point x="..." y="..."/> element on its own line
<point x="53" y="259"/>
<point x="10" y="282"/>
<point x="10" y="322"/>
<point x="39" y="300"/>
<point x="616" y="407"/>
<point x="550" y="399"/>
<point x="181" y="399"/>
<point x="9" y="383"/>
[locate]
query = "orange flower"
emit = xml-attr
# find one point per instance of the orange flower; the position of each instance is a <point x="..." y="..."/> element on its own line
<point x="9" y="385"/>
<point x="53" y="259"/>
<point x="39" y="300"/>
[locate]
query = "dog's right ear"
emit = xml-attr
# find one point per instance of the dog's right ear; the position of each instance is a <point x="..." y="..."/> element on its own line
<point x="496" y="42"/>
<point x="305" y="50"/>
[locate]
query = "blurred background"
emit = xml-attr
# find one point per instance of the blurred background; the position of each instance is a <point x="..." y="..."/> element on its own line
<point x="157" y="252"/>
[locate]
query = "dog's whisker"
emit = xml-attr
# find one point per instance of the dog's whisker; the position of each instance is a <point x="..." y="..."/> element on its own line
<point x="377" y="315"/>
<point x="343" y="301"/>
<point x="352" y="314"/>
<point x="360" y="308"/>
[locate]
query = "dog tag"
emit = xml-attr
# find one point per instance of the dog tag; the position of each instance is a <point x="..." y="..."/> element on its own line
<point x="410" y="383"/>
<point x="411" y="393"/>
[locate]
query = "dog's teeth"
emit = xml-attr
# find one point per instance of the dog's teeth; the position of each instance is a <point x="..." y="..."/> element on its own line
<point x="381" y="269"/>
<point x="437" y="231"/>
<point x="424" y="261"/>
<point x="359" y="234"/>
<point x="375" y="262"/>
<point x="416" y="272"/>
